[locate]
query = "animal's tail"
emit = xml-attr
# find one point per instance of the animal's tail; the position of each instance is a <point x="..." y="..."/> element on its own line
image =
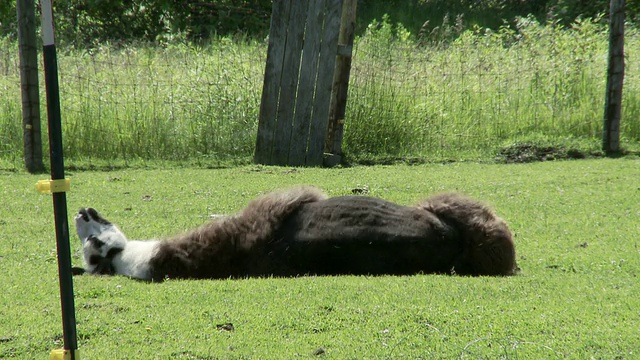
<point x="488" y="243"/>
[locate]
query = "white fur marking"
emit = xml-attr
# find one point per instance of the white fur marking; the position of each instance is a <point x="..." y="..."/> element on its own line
<point x="132" y="261"/>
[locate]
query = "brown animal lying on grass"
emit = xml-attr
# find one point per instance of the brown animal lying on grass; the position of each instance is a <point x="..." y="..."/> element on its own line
<point x="302" y="232"/>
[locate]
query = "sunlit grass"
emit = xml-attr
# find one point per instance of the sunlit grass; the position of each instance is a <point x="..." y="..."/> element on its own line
<point x="575" y="226"/>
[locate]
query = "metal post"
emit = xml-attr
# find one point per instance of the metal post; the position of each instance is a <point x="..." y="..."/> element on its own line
<point x="32" y="137"/>
<point x="57" y="173"/>
<point x="615" y="79"/>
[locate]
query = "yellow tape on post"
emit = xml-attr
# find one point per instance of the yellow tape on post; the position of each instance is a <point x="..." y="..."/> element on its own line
<point x="53" y="186"/>
<point x="61" y="354"/>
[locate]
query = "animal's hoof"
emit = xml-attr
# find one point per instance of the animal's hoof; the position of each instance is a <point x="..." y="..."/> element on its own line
<point x="77" y="271"/>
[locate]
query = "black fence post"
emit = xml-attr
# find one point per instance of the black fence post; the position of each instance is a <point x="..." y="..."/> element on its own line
<point x="57" y="177"/>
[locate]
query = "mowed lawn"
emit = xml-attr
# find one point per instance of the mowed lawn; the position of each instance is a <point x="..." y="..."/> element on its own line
<point x="576" y="226"/>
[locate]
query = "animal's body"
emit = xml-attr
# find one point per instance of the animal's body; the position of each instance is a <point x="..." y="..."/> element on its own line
<point x="301" y="232"/>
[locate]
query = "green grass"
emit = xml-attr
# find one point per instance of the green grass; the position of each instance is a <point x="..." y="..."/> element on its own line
<point x="576" y="232"/>
<point x="454" y="100"/>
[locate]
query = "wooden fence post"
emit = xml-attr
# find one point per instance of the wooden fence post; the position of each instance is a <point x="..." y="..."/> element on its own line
<point x="326" y="67"/>
<point x="271" y="88"/>
<point x="299" y="74"/>
<point x="341" y="83"/>
<point x="32" y="134"/>
<point x="615" y="79"/>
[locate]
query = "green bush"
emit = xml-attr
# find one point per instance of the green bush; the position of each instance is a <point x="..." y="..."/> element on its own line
<point x="91" y="22"/>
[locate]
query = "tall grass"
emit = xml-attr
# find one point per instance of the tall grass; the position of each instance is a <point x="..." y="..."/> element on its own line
<point x="408" y="98"/>
<point x="139" y="102"/>
<point x="482" y="90"/>
<point x="163" y="103"/>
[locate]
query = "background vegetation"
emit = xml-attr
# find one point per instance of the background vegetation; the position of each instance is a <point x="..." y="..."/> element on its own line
<point x="525" y="93"/>
<point x="575" y="226"/>
<point x="431" y="81"/>
<point x="91" y="22"/>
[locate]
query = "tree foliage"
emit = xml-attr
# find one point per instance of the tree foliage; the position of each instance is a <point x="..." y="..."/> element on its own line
<point x="90" y="22"/>
<point x="420" y="16"/>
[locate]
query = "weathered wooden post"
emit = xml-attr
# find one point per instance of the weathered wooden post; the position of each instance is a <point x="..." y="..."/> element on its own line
<point x="299" y="80"/>
<point x="338" y="106"/>
<point x="32" y="135"/>
<point x="615" y="79"/>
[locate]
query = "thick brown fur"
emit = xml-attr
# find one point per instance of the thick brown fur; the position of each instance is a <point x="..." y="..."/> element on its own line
<point x="223" y="247"/>
<point x="488" y="247"/>
<point x="299" y="231"/>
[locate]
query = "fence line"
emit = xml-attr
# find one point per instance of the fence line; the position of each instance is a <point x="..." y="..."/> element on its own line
<point x="451" y="101"/>
<point x="483" y="90"/>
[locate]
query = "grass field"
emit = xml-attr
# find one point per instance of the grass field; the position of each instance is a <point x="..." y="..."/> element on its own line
<point x="576" y="232"/>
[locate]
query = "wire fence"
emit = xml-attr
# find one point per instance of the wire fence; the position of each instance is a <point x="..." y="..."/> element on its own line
<point x="485" y="91"/>
<point x="175" y="103"/>
<point x="172" y="103"/>
<point x="460" y="100"/>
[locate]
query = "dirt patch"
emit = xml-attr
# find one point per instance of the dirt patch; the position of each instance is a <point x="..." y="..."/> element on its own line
<point x="527" y="152"/>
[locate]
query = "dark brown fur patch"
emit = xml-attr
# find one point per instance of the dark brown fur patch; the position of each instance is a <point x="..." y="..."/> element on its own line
<point x="300" y="231"/>
<point x="221" y="248"/>
<point x="488" y="247"/>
